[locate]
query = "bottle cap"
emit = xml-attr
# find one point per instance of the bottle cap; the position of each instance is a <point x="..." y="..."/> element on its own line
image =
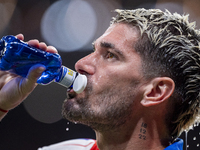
<point x="80" y="83"/>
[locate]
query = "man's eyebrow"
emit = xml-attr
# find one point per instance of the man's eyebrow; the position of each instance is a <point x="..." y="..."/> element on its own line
<point x="112" y="46"/>
<point x="107" y="45"/>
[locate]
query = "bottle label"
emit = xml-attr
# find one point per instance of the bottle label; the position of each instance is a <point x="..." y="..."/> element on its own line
<point x="67" y="77"/>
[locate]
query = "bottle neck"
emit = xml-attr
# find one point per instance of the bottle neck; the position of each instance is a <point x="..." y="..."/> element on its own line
<point x="66" y="77"/>
<point x="71" y="79"/>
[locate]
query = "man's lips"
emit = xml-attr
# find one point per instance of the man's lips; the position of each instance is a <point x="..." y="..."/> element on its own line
<point x="71" y="94"/>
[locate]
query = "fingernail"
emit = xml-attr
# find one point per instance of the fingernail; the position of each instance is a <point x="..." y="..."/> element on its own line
<point x="40" y="69"/>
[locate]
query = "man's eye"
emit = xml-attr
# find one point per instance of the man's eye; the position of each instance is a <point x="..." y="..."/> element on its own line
<point x="110" y="55"/>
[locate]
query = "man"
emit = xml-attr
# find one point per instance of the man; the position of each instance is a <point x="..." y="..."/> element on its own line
<point x="143" y="83"/>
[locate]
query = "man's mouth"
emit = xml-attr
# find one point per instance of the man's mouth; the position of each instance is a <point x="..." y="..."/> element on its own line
<point x="71" y="94"/>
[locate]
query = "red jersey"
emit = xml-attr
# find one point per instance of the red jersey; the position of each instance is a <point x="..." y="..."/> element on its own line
<point x="77" y="144"/>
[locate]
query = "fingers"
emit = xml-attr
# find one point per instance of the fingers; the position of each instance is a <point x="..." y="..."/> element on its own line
<point x="20" y="36"/>
<point x="42" y="46"/>
<point x="39" y="45"/>
<point x="35" y="43"/>
<point x="51" y="49"/>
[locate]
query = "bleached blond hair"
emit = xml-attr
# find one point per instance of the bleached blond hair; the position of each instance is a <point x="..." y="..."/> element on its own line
<point x="169" y="45"/>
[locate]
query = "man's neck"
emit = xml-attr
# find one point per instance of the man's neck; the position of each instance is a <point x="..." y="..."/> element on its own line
<point x="144" y="135"/>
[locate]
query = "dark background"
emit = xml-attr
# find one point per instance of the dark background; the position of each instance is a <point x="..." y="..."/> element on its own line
<point x="38" y="122"/>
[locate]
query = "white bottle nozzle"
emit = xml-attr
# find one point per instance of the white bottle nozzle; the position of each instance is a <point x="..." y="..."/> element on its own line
<point x="80" y="83"/>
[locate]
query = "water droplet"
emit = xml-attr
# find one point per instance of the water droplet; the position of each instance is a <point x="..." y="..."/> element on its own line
<point x="67" y="129"/>
<point x="187" y="145"/>
<point x="197" y="145"/>
<point x="194" y="138"/>
<point x="67" y="122"/>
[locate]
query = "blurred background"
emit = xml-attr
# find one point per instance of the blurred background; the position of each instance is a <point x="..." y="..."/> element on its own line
<point x="71" y="26"/>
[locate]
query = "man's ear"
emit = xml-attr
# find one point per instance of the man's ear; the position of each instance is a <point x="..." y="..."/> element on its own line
<point x="158" y="90"/>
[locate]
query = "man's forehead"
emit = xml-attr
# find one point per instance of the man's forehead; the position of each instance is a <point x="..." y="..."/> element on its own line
<point x="119" y="41"/>
<point x="119" y="34"/>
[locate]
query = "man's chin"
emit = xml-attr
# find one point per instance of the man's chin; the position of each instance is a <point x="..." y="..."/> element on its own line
<point x="73" y="110"/>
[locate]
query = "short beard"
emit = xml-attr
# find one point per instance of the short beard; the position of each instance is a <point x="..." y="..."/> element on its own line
<point x="112" y="109"/>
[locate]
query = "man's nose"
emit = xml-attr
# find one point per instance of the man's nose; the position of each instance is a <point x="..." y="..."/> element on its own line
<point x="86" y="65"/>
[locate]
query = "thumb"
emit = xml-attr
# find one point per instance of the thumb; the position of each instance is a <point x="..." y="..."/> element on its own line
<point x="29" y="83"/>
<point x="34" y="73"/>
<point x="17" y="89"/>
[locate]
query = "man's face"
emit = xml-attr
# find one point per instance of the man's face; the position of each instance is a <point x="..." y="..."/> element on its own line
<point x="114" y="80"/>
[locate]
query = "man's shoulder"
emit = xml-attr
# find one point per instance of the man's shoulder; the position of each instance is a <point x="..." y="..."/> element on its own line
<point x="76" y="144"/>
<point x="177" y="145"/>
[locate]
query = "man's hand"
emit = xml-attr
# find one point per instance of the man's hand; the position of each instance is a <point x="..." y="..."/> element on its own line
<point x="13" y="88"/>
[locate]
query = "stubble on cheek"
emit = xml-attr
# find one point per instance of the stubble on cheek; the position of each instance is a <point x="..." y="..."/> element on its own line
<point x="77" y="108"/>
<point x="103" y="111"/>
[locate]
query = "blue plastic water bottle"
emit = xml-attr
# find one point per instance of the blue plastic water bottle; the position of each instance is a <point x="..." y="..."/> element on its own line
<point x="19" y="57"/>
